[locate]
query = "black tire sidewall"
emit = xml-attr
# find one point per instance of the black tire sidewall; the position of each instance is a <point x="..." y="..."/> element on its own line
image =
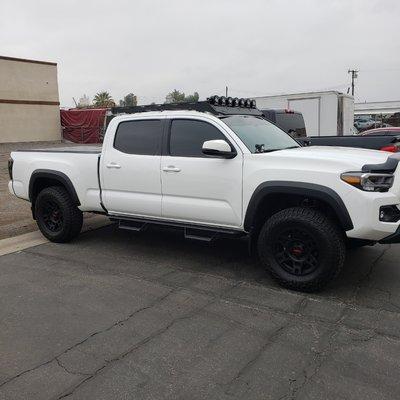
<point x="329" y="248"/>
<point x="70" y="214"/>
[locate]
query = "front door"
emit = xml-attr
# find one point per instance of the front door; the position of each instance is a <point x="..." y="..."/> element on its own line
<point x="195" y="187"/>
<point x="130" y="170"/>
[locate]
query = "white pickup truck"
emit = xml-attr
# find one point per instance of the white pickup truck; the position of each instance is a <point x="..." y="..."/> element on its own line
<point x="218" y="168"/>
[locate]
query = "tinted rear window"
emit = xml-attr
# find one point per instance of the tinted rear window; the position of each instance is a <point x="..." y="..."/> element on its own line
<point x="139" y="137"/>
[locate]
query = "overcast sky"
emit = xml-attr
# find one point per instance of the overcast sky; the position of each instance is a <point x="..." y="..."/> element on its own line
<point x="256" y="47"/>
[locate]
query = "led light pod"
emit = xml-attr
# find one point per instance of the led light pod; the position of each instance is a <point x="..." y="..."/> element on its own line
<point x="222" y="101"/>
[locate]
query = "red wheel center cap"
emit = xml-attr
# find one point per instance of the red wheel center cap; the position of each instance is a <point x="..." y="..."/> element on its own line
<point x="297" y="251"/>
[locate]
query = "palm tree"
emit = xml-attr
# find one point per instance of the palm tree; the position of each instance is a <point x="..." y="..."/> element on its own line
<point x="103" y="99"/>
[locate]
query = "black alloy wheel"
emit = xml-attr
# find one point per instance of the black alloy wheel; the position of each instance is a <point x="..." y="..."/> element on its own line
<point x="57" y="215"/>
<point x="52" y="216"/>
<point x="296" y="252"/>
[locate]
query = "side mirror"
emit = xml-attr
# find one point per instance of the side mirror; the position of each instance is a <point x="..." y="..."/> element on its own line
<point x="218" y="148"/>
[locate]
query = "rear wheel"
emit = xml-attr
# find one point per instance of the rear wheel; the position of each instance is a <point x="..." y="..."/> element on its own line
<point x="301" y="248"/>
<point x="58" y="218"/>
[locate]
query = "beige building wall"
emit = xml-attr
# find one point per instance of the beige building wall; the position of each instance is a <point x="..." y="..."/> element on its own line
<point x="29" y="102"/>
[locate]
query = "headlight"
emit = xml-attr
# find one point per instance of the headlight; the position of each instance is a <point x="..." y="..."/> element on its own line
<point x="369" y="182"/>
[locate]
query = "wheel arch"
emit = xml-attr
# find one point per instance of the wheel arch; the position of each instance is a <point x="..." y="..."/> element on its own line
<point x="268" y="193"/>
<point x="43" y="178"/>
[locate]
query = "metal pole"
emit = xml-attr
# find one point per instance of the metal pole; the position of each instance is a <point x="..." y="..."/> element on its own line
<point x="354" y="75"/>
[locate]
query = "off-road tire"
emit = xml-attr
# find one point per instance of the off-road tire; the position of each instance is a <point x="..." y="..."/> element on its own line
<point x="328" y="240"/>
<point x="70" y="217"/>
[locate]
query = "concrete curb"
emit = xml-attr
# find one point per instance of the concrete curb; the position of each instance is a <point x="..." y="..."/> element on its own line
<point x="32" y="239"/>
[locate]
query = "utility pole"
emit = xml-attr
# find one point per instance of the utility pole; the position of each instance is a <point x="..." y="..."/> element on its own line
<point x="354" y="75"/>
<point x="226" y="91"/>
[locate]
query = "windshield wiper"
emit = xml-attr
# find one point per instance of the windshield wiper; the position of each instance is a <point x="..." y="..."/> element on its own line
<point x="270" y="150"/>
<point x="282" y="148"/>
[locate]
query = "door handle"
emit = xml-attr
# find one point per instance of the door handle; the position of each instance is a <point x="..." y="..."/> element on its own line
<point x="171" y="168"/>
<point x="113" y="165"/>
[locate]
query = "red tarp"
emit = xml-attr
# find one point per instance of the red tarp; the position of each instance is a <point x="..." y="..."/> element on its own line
<point x="83" y="126"/>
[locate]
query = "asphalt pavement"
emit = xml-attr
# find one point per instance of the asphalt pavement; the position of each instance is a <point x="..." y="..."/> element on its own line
<point x="124" y="315"/>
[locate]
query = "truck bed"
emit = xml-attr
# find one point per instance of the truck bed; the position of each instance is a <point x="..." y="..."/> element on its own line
<point x="78" y="163"/>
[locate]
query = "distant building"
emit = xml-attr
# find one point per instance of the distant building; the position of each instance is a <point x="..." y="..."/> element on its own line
<point x="377" y="107"/>
<point x="29" y="102"/>
<point x="383" y="112"/>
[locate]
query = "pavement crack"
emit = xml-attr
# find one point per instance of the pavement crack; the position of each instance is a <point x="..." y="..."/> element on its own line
<point x="121" y="321"/>
<point x="138" y="345"/>
<point x="68" y="370"/>
<point x="364" y="279"/>
<point x="243" y="370"/>
<point x="315" y="363"/>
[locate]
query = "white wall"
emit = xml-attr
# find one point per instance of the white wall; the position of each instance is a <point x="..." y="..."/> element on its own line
<point x="322" y="123"/>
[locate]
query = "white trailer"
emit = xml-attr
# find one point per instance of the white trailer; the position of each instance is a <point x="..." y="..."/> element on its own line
<point x="325" y="113"/>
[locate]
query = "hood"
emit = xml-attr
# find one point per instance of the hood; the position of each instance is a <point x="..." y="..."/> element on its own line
<point x="347" y="157"/>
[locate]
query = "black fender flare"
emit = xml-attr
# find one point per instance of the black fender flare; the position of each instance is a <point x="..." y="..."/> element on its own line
<point x="54" y="175"/>
<point x="312" y="190"/>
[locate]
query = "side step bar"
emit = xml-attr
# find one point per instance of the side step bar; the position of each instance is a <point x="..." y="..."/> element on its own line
<point x="136" y="226"/>
<point x="193" y="232"/>
<point x="200" y="234"/>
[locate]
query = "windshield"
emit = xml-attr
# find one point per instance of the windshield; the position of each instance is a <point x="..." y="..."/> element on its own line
<point x="259" y="135"/>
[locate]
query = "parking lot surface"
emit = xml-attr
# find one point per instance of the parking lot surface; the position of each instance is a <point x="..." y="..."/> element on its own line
<point x="121" y="315"/>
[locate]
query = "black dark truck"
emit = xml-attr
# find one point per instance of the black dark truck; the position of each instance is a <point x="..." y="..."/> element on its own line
<point x="377" y="142"/>
<point x="292" y="122"/>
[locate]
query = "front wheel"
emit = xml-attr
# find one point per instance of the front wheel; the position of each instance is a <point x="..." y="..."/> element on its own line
<point x="301" y="248"/>
<point x="58" y="218"/>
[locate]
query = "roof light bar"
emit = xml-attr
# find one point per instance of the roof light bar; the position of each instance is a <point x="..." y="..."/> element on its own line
<point x="232" y="102"/>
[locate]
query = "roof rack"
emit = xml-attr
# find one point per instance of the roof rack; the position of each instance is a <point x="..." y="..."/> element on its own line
<point x="201" y="106"/>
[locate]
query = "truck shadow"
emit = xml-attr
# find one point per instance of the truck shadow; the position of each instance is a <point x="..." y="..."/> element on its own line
<point x="161" y="247"/>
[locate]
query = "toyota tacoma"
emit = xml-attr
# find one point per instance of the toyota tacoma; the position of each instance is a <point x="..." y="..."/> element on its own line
<point x="219" y="168"/>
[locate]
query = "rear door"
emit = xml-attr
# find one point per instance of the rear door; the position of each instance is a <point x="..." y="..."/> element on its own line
<point x="195" y="187"/>
<point x="131" y="168"/>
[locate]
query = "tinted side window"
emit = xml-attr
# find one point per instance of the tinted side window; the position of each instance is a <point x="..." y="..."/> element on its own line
<point x="188" y="136"/>
<point x="139" y="137"/>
